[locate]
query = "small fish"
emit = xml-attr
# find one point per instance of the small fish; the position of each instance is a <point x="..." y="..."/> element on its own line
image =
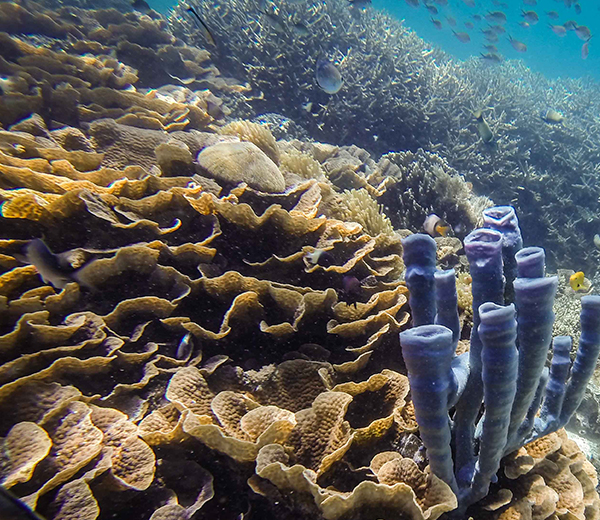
<point x="491" y="37"/>
<point x="54" y="269"/>
<point x="477" y="17"/>
<point x="469" y="25"/>
<point x="360" y="4"/>
<point x="496" y="17"/>
<point x="351" y="290"/>
<point x="553" y="15"/>
<point x="13" y="508"/>
<point x="300" y="29"/>
<point x="435" y="226"/>
<point x="583" y="33"/>
<point x="597" y="241"/>
<point x="451" y="21"/>
<point x="412" y="3"/>
<point x="328" y="76"/>
<point x="559" y="30"/>
<point x="524" y="24"/>
<point x="308" y="106"/>
<point x="570" y="25"/>
<point x="437" y="24"/>
<point x="498" y="29"/>
<point x="498" y="3"/>
<point x="483" y="129"/>
<point x="552" y="116"/>
<point x="530" y="2"/>
<point x="431" y="8"/>
<point x="185" y="347"/>
<point x="530" y="16"/>
<point x="320" y="257"/>
<point x="490" y="47"/>
<point x="517" y="45"/>
<point x="585" y="50"/>
<point x="272" y="20"/>
<point x="141" y="6"/>
<point x="578" y="283"/>
<point x="207" y="32"/>
<point x="577" y="9"/>
<point x="462" y="36"/>
<point x="491" y="57"/>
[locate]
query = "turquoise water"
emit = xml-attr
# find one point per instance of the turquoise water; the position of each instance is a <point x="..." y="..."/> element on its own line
<point x="546" y="52"/>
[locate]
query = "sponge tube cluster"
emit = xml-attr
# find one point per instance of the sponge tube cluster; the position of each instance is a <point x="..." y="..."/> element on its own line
<point x="474" y="409"/>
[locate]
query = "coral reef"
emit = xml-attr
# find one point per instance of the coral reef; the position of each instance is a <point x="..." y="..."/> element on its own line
<point x="401" y="94"/>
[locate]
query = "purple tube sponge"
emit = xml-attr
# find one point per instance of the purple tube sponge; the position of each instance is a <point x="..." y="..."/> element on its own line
<point x="504" y="219"/>
<point x="446" y="301"/>
<point x="531" y="262"/>
<point x="534" y="298"/>
<point x="585" y="361"/>
<point x="428" y="354"/>
<point x="419" y="258"/>
<point x="498" y="332"/>
<point x="484" y="252"/>
<point x="555" y="390"/>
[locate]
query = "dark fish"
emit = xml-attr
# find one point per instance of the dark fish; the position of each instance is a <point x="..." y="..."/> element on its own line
<point x="54" y="269"/>
<point x="553" y="15"/>
<point x="490" y="48"/>
<point x="585" y="50"/>
<point x="140" y="5"/>
<point x="477" y="17"/>
<point x="583" y="33"/>
<point x="431" y="8"/>
<point x="496" y="17"/>
<point x="435" y="226"/>
<point x="559" y="30"/>
<point x="185" y="347"/>
<point x="12" y="508"/>
<point x="483" y="129"/>
<point x="498" y="29"/>
<point x="517" y="45"/>
<point x="491" y="57"/>
<point x="437" y="24"/>
<point x="328" y="76"/>
<point x="462" y="36"/>
<point x="412" y="3"/>
<point x="351" y="290"/>
<point x="300" y="29"/>
<point x="207" y="32"/>
<point x="530" y="16"/>
<point x="577" y="9"/>
<point x="360" y="4"/>
<point x="570" y="25"/>
<point x="469" y="25"/>
<point x="451" y="21"/>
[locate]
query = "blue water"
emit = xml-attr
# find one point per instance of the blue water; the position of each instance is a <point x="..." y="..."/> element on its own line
<point x="546" y="52"/>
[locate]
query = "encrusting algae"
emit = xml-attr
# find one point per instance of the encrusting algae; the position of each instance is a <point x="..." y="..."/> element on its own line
<point x="288" y="399"/>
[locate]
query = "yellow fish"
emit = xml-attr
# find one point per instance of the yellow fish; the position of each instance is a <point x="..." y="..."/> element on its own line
<point x="576" y="281"/>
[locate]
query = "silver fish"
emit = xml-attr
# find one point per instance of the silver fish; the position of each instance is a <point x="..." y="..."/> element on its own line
<point x="328" y="76"/>
<point x="185" y="347"/>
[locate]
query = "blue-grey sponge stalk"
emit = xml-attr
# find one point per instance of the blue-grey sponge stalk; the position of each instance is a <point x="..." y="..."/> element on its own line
<point x="419" y="255"/>
<point x="484" y="252"/>
<point x="428" y="354"/>
<point x="555" y="390"/>
<point x="534" y="298"/>
<point x="447" y="302"/>
<point x="531" y="262"/>
<point x="587" y="355"/>
<point x="498" y="332"/>
<point x="504" y="219"/>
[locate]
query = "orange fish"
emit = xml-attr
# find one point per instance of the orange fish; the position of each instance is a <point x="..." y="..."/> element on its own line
<point x="436" y="227"/>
